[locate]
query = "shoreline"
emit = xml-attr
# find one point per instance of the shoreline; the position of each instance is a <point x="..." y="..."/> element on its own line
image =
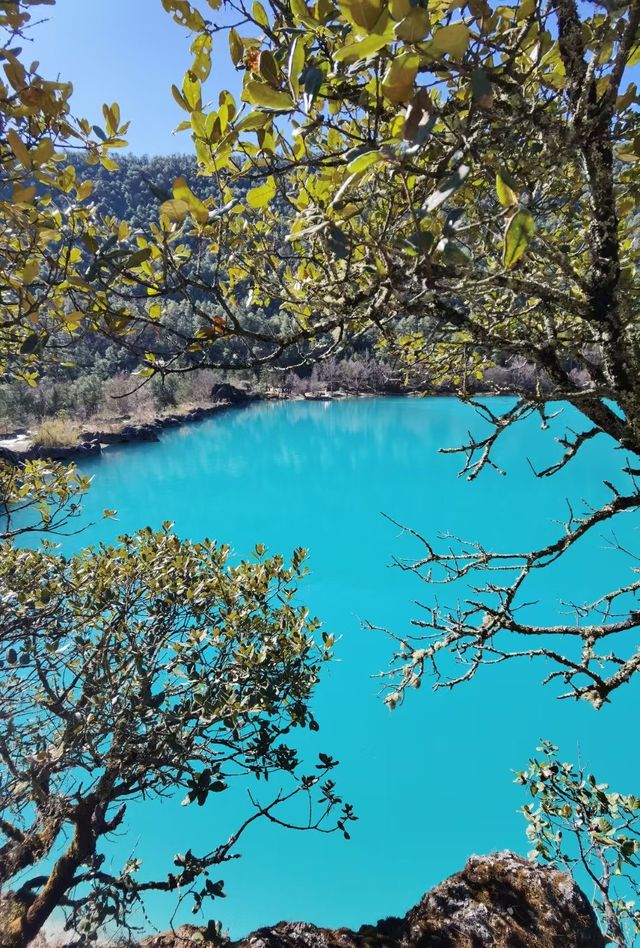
<point x="16" y="446"/>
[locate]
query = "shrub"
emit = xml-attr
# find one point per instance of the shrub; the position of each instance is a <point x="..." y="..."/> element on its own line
<point x="55" y="433"/>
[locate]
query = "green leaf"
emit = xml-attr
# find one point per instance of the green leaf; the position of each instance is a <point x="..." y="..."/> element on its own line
<point x="258" y="93"/>
<point x="364" y="161"/>
<point x="259" y="14"/>
<point x="19" y="148"/>
<point x="525" y="9"/>
<point x="268" y="69"/>
<point x="634" y="56"/>
<point x="236" y="47"/>
<point x="363" y="14"/>
<point x="507" y="196"/>
<point x="180" y="99"/>
<point x="260" y="196"/>
<point x="253" y="121"/>
<point x="450" y="41"/>
<point x="362" y="49"/>
<point x="182" y="192"/>
<point x="175" y="210"/>
<point x="399" y="9"/>
<point x="414" y="27"/>
<point x="295" y="65"/>
<point x="517" y="236"/>
<point x="398" y="80"/>
<point x="302" y="14"/>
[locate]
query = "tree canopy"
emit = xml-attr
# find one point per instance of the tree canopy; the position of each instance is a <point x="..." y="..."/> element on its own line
<point x="474" y="168"/>
<point x="130" y="671"/>
<point x="467" y="168"/>
<point x="136" y="671"/>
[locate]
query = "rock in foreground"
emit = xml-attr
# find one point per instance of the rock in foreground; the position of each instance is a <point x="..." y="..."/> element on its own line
<point x="499" y="901"/>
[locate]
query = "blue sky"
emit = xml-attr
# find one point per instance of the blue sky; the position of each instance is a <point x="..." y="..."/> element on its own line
<point x="127" y="51"/>
<point x="131" y="51"/>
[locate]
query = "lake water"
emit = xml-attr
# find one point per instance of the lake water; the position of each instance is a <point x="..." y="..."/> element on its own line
<point x="432" y="782"/>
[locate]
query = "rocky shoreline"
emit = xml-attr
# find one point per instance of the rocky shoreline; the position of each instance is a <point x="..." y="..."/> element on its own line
<point x="16" y="446"/>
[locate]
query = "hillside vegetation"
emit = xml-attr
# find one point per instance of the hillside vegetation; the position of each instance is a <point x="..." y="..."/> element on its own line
<point x="92" y="376"/>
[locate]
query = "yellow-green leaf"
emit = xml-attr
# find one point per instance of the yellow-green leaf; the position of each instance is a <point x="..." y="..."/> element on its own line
<point x="397" y="83"/>
<point x="260" y="196"/>
<point x="72" y="320"/>
<point x="182" y="192"/>
<point x="236" y="47"/>
<point x="180" y="99"/>
<point x="450" y="41"/>
<point x="30" y="271"/>
<point x="525" y="9"/>
<point x="363" y="14"/>
<point x="24" y="195"/>
<point x="302" y="13"/>
<point x="259" y="14"/>
<point x="191" y="90"/>
<point x="252" y="121"/>
<point x="363" y="49"/>
<point x="517" y="236"/>
<point x="295" y="65"/>
<point x="174" y="210"/>
<point x="399" y="9"/>
<point x="506" y="195"/>
<point x="19" y="148"/>
<point x="268" y="68"/>
<point x="108" y="163"/>
<point x="414" y="27"/>
<point x="84" y="190"/>
<point x="364" y="161"/>
<point x="258" y="93"/>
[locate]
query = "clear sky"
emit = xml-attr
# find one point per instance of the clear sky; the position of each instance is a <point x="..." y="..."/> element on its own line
<point x="127" y="51"/>
<point x="130" y="52"/>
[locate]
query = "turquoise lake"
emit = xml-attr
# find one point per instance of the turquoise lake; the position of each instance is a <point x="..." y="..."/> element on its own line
<point x="432" y="781"/>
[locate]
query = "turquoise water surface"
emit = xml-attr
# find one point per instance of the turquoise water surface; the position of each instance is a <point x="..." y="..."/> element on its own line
<point x="431" y="782"/>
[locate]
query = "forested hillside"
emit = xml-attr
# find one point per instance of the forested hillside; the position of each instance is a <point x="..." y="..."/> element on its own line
<point x="89" y="374"/>
<point x="141" y="181"/>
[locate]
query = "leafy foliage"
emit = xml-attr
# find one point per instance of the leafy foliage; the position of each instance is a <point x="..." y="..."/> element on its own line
<point x="578" y="824"/>
<point x="134" y="670"/>
<point x="44" y="214"/>
<point x="129" y="672"/>
<point x="471" y="169"/>
<point x="476" y="169"/>
<point x="38" y="497"/>
<point x="426" y="173"/>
